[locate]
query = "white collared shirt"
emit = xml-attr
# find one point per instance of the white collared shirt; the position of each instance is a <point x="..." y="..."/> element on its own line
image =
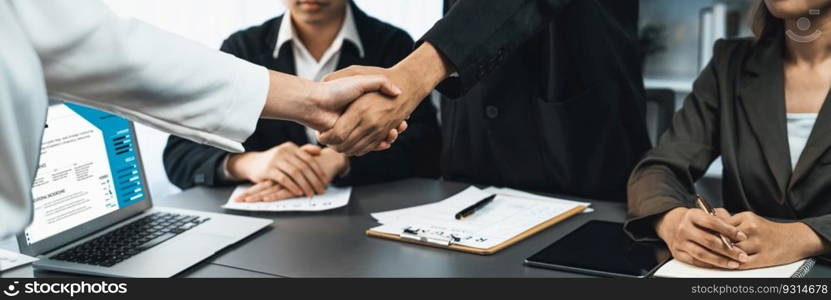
<point x="306" y="65"/>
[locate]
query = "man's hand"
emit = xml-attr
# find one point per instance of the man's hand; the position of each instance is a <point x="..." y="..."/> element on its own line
<point x="369" y="121"/>
<point x="319" y="104"/>
<point x="293" y="168"/>
<point x="692" y="237"/>
<point x="332" y="163"/>
<point x="770" y="243"/>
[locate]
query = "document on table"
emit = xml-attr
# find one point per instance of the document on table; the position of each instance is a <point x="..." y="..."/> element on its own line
<point x="10" y="259"/>
<point x="333" y="198"/>
<point x="518" y="193"/>
<point x="677" y="269"/>
<point x="501" y="220"/>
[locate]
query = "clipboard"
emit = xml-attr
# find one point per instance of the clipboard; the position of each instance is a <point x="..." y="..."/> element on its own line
<point x="427" y="241"/>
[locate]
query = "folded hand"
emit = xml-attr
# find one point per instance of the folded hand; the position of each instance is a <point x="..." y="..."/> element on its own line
<point x="331" y="163"/>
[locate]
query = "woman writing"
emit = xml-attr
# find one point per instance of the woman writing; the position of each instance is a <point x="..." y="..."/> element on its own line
<point x="760" y="105"/>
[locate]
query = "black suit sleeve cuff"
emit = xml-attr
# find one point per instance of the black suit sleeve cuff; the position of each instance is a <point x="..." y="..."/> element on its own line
<point x="208" y="173"/>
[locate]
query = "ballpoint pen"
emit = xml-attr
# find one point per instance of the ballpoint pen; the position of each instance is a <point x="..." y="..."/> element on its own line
<point x="473" y="208"/>
<point x="702" y="204"/>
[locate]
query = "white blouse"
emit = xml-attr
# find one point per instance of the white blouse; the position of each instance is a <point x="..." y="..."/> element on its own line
<point x="79" y="50"/>
<point x="799" y="129"/>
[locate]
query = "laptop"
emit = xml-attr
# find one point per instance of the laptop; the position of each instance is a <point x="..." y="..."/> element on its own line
<point x="93" y="213"/>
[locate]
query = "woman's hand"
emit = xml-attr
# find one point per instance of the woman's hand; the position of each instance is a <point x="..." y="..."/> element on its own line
<point x="290" y="166"/>
<point x="692" y="237"/>
<point x="266" y="191"/>
<point x="770" y="243"/>
<point x="331" y="162"/>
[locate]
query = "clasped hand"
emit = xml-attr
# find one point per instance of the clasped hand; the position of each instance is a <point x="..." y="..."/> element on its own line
<point x="692" y="237"/>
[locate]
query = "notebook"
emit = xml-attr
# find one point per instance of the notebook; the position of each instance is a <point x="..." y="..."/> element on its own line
<point x="677" y="269"/>
<point x="506" y="220"/>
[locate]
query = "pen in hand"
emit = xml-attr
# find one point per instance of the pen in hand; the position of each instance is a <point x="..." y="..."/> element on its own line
<point x="702" y="204"/>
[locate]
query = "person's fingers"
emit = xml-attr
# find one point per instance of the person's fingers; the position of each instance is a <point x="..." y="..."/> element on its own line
<point x="362" y="132"/>
<point x="711" y="241"/>
<point x="252" y="192"/>
<point x="723" y="214"/>
<point x="685" y="257"/>
<point x="706" y="221"/>
<point x="313" y="150"/>
<point x="749" y="246"/>
<point x="383" y="146"/>
<point x="365" y="144"/>
<point x="284" y="180"/>
<point x="312" y="164"/>
<point x="344" y="126"/>
<point x="352" y="71"/>
<point x="280" y="194"/>
<point x="258" y="197"/>
<point x="368" y="84"/>
<point x="295" y="170"/>
<point x="256" y="188"/>
<point x="392" y="136"/>
<point x="403" y="126"/>
<point x="311" y="171"/>
<point x="705" y="255"/>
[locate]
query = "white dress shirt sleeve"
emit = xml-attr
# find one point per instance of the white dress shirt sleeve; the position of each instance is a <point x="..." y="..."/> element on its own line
<point x="91" y="56"/>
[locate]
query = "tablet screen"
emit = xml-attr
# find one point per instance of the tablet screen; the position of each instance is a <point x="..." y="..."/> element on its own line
<point x="601" y="248"/>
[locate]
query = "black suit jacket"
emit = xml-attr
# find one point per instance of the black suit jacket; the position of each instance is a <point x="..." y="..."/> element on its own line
<point x="737" y="110"/>
<point x="553" y="97"/>
<point x="415" y="153"/>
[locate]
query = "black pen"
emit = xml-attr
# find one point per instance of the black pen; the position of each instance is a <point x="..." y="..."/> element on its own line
<point x="473" y="208"/>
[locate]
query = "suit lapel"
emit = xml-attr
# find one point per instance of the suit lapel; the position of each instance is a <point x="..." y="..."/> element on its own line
<point x="818" y="143"/>
<point x="284" y="62"/>
<point x="349" y="56"/>
<point x="762" y="97"/>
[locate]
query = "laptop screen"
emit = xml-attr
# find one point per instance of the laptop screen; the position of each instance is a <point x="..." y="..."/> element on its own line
<point x="88" y="168"/>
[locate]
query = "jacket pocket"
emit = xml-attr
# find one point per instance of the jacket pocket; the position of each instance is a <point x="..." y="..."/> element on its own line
<point x="586" y="147"/>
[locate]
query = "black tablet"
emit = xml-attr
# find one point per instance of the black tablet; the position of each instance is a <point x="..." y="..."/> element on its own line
<point x="601" y="248"/>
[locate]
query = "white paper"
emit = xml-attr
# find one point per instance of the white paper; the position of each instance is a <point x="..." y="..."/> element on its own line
<point x="678" y="269"/>
<point x="504" y="218"/>
<point x="518" y="193"/>
<point x="333" y="198"/>
<point x="10" y="259"/>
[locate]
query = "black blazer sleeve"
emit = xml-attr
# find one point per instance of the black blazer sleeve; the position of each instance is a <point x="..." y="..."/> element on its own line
<point x="475" y="36"/>
<point x="416" y="152"/>
<point x="187" y="163"/>
<point x="664" y="179"/>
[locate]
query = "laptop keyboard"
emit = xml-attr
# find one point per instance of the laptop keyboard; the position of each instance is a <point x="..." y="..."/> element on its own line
<point x="129" y="240"/>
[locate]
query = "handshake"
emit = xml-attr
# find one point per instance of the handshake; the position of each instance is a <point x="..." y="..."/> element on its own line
<point x="358" y="109"/>
<point x="355" y="111"/>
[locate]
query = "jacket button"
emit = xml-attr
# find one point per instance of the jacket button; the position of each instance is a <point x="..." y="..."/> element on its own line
<point x="491" y="111"/>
